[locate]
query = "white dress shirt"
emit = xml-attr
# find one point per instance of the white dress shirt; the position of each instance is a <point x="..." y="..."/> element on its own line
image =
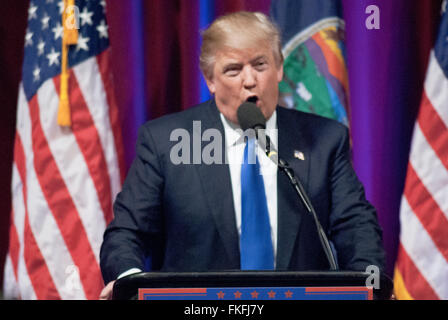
<point x="234" y="157"/>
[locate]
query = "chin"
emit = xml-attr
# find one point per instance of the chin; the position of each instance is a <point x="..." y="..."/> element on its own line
<point x="267" y="113"/>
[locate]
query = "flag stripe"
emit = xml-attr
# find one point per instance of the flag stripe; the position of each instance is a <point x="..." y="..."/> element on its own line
<point x="23" y="287"/>
<point x="415" y="283"/>
<point x="87" y="138"/>
<point x="14" y="242"/>
<point x="72" y="167"/>
<point x="427" y="210"/>
<point x="35" y="263"/>
<point x="434" y="129"/>
<point x="436" y="88"/>
<point x="50" y="241"/>
<point x="10" y="280"/>
<point x="103" y="60"/>
<point x="37" y="267"/>
<point x="429" y="168"/>
<point x="89" y="142"/>
<point x="94" y="94"/>
<point x="62" y="207"/>
<point x="423" y="252"/>
<point x="42" y="222"/>
<point x="14" y="246"/>
<point x="24" y="284"/>
<point x="42" y="240"/>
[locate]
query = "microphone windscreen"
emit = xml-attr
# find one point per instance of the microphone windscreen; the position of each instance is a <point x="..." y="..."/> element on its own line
<point x="250" y="116"/>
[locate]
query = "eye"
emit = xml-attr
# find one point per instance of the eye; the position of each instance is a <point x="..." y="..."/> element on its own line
<point x="232" y="70"/>
<point x="260" y="65"/>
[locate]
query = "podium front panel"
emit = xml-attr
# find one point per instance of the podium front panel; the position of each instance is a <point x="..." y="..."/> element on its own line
<point x="307" y="285"/>
<point x="257" y="293"/>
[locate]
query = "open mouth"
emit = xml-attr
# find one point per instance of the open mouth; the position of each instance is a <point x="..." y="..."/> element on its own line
<point x="252" y="99"/>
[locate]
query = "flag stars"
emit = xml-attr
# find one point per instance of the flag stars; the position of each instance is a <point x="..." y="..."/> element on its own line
<point x="53" y="57"/>
<point x="32" y="12"/>
<point x="45" y="21"/>
<point x="58" y="31"/>
<point x="42" y="39"/>
<point x="28" y="38"/>
<point x="102" y="29"/>
<point x="86" y="17"/>
<point x="40" y="47"/>
<point x="82" y="43"/>
<point x="36" y="74"/>
<point x="61" y="6"/>
<point x="103" y="4"/>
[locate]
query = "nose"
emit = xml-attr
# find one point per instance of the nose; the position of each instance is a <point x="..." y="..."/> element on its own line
<point x="249" y="78"/>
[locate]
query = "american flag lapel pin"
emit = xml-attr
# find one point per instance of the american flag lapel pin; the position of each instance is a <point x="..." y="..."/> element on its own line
<point x="299" y="155"/>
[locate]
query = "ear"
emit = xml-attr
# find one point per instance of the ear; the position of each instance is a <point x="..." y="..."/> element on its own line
<point x="280" y="73"/>
<point x="210" y="84"/>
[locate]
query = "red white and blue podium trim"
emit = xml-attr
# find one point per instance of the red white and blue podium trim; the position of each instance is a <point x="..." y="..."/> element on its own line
<point x="257" y="293"/>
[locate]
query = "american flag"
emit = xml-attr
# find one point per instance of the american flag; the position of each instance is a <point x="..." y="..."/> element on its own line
<point x="422" y="265"/>
<point x="65" y="178"/>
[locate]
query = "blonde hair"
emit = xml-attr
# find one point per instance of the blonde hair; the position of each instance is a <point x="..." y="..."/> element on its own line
<point x="235" y="29"/>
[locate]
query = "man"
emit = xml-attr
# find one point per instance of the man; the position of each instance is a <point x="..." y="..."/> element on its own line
<point x="189" y="216"/>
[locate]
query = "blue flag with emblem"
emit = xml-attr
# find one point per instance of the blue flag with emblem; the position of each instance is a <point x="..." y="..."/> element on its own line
<point x="315" y="74"/>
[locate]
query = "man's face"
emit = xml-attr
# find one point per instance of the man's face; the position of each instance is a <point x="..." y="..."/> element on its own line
<point x="240" y="74"/>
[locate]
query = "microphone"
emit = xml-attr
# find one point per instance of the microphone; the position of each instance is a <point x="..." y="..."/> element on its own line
<point x="250" y="117"/>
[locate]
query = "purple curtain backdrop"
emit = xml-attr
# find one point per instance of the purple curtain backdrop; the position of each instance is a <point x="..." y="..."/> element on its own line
<point x="386" y="73"/>
<point x="155" y="48"/>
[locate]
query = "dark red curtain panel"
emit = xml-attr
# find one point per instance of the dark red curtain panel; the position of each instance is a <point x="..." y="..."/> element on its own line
<point x="171" y="43"/>
<point x="13" y="19"/>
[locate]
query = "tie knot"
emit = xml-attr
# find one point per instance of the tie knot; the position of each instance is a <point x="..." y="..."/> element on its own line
<point x="249" y="151"/>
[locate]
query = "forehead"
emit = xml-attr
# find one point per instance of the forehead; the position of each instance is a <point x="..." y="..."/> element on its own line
<point x="243" y="55"/>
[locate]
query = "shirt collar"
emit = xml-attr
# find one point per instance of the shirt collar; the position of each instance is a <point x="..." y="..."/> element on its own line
<point x="232" y="131"/>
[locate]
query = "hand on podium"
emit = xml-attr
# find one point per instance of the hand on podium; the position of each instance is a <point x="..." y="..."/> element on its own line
<point x="106" y="293"/>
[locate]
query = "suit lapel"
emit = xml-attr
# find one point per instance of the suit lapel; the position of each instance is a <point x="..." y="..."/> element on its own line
<point x="215" y="179"/>
<point x="293" y="149"/>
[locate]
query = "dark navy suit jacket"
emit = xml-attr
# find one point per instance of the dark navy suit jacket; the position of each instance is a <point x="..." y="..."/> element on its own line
<point x="183" y="215"/>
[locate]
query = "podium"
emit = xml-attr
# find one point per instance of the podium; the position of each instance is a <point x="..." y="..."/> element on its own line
<point x="251" y="285"/>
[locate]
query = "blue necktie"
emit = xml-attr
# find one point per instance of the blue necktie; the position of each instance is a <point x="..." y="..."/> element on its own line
<point x="255" y="242"/>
